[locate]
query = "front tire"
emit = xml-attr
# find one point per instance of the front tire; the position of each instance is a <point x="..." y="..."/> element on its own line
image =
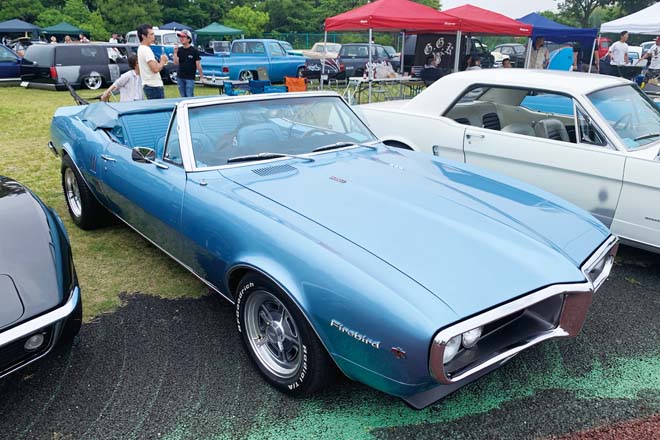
<point x="85" y="210"/>
<point x="279" y="340"/>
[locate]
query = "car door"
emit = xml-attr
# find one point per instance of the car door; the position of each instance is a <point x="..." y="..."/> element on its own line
<point x="148" y="196"/>
<point x="520" y="141"/>
<point x="638" y="213"/>
<point x="10" y="65"/>
<point x="280" y="64"/>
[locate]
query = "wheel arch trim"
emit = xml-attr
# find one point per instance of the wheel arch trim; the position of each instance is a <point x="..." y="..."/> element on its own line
<point x="252" y="268"/>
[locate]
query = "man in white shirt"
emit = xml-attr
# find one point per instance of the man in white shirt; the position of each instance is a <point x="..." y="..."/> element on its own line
<point x="540" y="57"/>
<point x="150" y="69"/>
<point x="619" y="51"/>
<point x="128" y="84"/>
<point x="113" y="39"/>
<point x="654" y="55"/>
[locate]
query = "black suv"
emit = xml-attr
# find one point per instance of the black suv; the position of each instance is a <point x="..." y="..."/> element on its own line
<point x="89" y="65"/>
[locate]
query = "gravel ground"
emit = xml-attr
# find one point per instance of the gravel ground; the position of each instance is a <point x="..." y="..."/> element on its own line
<point x="176" y="369"/>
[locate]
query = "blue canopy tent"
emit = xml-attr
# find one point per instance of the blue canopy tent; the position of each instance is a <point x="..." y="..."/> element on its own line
<point x="17" y="26"/>
<point x="175" y="26"/>
<point x="557" y="32"/>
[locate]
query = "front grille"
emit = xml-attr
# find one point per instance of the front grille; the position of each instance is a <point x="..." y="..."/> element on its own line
<point x="508" y="332"/>
<point x="14" y="354"/>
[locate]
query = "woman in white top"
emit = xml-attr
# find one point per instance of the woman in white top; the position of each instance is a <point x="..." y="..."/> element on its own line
<point x="129" y="84"/>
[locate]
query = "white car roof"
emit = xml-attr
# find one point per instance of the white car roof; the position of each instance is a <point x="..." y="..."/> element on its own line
<point x="444" y="91"/>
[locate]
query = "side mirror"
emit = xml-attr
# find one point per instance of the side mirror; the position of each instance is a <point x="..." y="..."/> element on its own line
<point x="146" y="155"/>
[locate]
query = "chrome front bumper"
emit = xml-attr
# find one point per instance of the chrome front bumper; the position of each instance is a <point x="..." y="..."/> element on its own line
<point x="52" y="320"/>
<point x="556" y="311"/>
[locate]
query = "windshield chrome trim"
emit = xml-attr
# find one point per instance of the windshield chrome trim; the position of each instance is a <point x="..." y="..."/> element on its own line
<point x="185" y="140"/>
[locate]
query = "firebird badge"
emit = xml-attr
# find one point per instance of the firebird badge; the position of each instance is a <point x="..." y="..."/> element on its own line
<point x="353" y="334"/>
<point x="337" y="179"/>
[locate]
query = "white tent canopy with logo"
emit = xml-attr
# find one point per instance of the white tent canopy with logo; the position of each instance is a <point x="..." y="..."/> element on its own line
<point x="646" y="21"/>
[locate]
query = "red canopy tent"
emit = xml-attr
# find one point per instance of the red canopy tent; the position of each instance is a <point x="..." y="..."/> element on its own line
<point x="393" y="15"/>
<point x="483" y="21"/>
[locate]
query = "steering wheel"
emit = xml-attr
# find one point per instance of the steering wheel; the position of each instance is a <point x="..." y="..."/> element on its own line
<point x="315" y="131"/>
<point x="623" y="123"/>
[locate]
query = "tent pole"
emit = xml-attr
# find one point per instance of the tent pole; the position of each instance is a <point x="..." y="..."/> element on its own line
<point x="457" y="54"/>
<point x="403" y="41"/>
<point x="369" y="66"/>
<point x="529" y="52"/>
<point x="325" y="49"/>
<point x="593" y="49"/>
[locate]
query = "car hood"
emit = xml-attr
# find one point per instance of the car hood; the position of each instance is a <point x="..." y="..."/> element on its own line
<point x="470" y="239"/>
<point x="27" y="255"/>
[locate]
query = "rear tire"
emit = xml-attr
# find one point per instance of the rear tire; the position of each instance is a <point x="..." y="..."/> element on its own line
<point x="245" y="75"/>
<point x="280" y="342"/>
<point x="85" y="210"/>
<point x="93" y="82"/>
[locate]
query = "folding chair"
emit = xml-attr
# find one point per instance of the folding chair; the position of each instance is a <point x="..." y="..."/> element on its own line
<point x="275" y="89"/>
<point x="231" y="91"/>
<point x="295" y="84"/>
<point x="257" y="86"/>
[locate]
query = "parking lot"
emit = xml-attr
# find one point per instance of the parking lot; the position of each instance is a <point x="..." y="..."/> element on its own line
<point x="175" y="368"/>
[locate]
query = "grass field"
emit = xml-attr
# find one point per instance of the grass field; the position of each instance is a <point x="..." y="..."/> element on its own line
<point x="110" y="260"/>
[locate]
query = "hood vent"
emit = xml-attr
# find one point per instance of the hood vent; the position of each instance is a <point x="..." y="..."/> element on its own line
<point x="275" y="169"/>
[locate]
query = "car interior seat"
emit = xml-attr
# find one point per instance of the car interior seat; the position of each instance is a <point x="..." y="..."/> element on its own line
<point x="551" y="129"/>
<point x="519" y="128"/>
<point x="255" y="138"/>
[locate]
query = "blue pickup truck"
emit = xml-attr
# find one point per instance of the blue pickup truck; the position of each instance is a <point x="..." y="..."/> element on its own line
<point x="247" y="57"/>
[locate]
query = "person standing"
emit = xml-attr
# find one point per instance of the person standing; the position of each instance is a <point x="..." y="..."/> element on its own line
<point x="53" y="39"/>
<point x="506" y="63"/>
<point x="540" y="57"/>
<point x="82" y="38"/>
<point x="113" y="39"/>
<point x="150" y="69"/>
<point x="188" y="59"/>
<point x="653" y="54"/>
<point x="619" y="51"/>
<point x="128" y="84"/>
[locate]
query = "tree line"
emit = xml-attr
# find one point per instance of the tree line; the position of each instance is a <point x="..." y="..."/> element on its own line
<point x="255" y="17"/>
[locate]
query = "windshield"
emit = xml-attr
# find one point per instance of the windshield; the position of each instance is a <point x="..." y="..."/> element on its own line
<point x="331" y="48"/>
<point x="634" y="117"/>
<point x="287" y="126"/>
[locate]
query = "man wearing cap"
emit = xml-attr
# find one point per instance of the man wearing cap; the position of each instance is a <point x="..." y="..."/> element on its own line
<point x="654" y="55"/>
<point x="188" y="59"/>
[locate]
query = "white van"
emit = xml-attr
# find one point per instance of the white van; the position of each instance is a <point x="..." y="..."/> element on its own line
<point x="163" y="37"/>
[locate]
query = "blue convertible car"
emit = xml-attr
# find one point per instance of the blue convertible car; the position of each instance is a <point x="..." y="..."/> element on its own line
<point x="411" y="274"/>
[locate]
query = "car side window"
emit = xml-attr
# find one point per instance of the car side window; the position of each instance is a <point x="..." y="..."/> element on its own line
<point x="518" y="111"/>
<point x="170" y="39"/>
<point x="276" y="49"/>
<point x="6" y="55"/>
<point x="172" y="148"/>
<point x="507" y="50"/>
<point x="587" y="131"/>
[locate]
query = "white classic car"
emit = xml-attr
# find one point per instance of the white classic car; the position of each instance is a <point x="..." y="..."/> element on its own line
<point x="592" y="139"/>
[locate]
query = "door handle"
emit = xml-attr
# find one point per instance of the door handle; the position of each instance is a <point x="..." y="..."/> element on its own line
<point x="476" y="136"/>
<point x="107" y="158"/>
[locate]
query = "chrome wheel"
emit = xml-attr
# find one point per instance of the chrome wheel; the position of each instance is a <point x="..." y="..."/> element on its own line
<point x="72" y="192"/>
<point x="173" y="76"/>
<point x="273" y="334"/>
<point x="246" y="75"/>
<point x="93" y="81"/>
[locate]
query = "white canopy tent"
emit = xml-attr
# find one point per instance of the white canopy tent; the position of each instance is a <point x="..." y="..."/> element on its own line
<point x="646" y="21"/>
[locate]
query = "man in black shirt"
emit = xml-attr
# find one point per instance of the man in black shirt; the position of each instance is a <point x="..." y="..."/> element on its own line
<point x="188" y="59"/>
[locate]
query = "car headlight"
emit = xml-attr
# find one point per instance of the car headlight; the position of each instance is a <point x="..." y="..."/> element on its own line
<point x="599" y="270"/>
<point x="451" y="349"/>
<point x="471" y="337"/>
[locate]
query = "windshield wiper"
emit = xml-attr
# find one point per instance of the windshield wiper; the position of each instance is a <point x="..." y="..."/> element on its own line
<point x="341" y="145"/>
<point x="265" y="156"/>
<point x="646" y="136"/>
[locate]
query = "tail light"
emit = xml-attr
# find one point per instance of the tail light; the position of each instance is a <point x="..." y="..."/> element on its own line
<point x="53" y="72"/>
<point x="225" y="69"/>
<point x="342" y="67"/>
